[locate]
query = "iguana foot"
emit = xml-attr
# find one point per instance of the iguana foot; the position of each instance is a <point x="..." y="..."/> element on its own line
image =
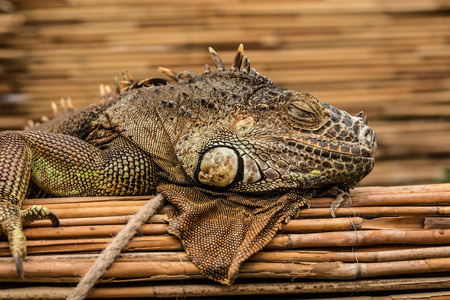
<point x="337" y="202"/>
<point x="339" y="195"/>
<point x="11" y="221"/>
<point x="300" y="209"/>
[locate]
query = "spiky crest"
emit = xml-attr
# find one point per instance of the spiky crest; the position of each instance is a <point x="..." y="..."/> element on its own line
<point x="128" y="83"/>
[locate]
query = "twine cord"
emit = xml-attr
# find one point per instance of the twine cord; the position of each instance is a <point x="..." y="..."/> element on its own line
<point x="107" y="257"/>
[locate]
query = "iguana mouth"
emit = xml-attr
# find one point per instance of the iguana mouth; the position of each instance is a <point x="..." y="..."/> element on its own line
<point x="330" y="149"/>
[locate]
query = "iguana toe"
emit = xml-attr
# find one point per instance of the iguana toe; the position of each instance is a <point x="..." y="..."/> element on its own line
<point x="11" y="221"/>
<point x="38" y="212"/>
<point x="337" y="202"/>
<point x="12" y="228"/>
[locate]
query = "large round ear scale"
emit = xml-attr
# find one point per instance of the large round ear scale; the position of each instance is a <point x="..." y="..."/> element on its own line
<point x="217" y="60"/>
<point x="219" y="167"/>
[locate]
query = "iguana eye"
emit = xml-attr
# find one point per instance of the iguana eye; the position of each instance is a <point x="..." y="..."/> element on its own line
<point x="218" y="167"/>
<point x="305" y="110"/>
<point x="301" y="111"/>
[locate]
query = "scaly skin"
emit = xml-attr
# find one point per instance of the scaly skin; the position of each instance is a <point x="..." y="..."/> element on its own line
<point x="236" y="154"/>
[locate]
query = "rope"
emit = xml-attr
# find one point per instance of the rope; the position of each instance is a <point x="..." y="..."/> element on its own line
<point x="108" y="255"/>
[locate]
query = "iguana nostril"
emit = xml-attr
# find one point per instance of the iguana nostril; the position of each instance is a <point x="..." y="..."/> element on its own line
<point x="368" y="137"/>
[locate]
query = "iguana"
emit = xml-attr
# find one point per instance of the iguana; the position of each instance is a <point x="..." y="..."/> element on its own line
<point x="236" y="154"/>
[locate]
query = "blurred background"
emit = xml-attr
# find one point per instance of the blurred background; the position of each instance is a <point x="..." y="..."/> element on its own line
<point x="390" y="59"/>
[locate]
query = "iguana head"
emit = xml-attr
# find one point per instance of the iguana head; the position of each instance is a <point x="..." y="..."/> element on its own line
<point x="248" y="155"/>
<point x="236" y="131"/>
<point x="299" y="142"/>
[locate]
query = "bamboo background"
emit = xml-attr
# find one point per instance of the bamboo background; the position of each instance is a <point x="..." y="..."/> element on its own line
<point x="390" y="59"/>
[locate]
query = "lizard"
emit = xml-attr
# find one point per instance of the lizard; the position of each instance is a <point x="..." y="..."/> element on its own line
<point x="235" y="153"/>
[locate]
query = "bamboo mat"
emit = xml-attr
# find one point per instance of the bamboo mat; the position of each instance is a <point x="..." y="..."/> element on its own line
<point x="383" y="239"/>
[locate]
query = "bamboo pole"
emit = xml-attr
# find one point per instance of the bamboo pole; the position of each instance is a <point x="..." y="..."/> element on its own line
<point x="367" y="212"/>
<point x="112" y="220"/>
<point x="366" y="254"/>
<point x="279" y="242"/>
<point x="149" y="243"/>
<point x="157" y="271"/>
<point x="359" y="238"/>
<point x="242" y="289"/>
<point x="373" y="212"/>
<point x="441" y="295"/>
<point x="397" y="198"/>
<point x="88" y="231"/>
<point x="294" y="225"/>
<point x="360" y="196"/>
<point x="107" y="226"/>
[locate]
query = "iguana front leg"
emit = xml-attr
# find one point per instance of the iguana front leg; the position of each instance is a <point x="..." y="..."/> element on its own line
<point x="61" y="165"/>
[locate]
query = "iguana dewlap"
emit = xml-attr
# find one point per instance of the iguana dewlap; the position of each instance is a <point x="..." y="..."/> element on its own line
<point x="236" y="154"/>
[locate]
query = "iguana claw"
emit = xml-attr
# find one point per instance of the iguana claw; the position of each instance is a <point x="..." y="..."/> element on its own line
<point x="38" y="212"/>
<point x="18" y="262"/>
<point x="54" y="219"/>
<point x="12" y="220"/>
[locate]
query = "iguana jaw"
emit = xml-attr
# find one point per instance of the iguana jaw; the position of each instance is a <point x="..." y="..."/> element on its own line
<point x="320" y="157"/>
<point x="303" y="164"/>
